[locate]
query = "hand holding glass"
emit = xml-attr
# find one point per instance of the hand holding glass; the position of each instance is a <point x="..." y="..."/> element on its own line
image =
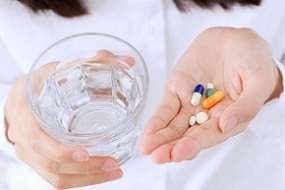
<point x="89" y="90"/>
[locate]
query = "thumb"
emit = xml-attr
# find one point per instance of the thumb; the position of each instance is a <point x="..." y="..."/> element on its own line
<point x="243" y="109"/>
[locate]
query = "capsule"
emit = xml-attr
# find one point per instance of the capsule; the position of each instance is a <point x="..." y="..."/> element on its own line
<point x="210" y="90"/>
<point x="213" y="100"/>
<point x="197" y="95"/>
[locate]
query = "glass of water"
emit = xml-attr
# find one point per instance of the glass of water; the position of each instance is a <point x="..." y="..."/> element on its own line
<point x="88" y="90"/>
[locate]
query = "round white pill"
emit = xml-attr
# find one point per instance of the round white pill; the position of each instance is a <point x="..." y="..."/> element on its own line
<point x="192" y="120"/>
<point x="201" y="117"/>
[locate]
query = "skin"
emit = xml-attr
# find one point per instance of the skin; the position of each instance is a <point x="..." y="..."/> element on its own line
<point x="60" y="165"/>
<point x="234" y="60"/>
<point x="238" y="62"/>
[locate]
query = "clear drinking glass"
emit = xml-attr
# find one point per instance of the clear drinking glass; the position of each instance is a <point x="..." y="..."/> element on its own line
<point x="88" y="90"/>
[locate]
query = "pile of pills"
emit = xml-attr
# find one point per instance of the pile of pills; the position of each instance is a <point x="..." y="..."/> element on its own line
<point x="212" y="98"/>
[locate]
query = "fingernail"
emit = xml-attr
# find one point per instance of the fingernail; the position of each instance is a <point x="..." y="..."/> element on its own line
<point x="115" y="175"/>
<point x="229" y="124"/>
<point x="109" y="165"/>
<point x="79" y="156"/>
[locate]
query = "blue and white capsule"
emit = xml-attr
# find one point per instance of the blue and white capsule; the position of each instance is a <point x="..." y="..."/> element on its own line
<point x="197" y="95"/>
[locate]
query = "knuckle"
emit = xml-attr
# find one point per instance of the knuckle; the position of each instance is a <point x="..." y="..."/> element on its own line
<point x="214" y="136"/>
<point x="60" y="154"/>
<point x="34" y="142"/>
<point x="170" y="134"/>
<point x="86" y="168"/>
<point x="168" y="107"/>
<point x="58" y="181"/>
<point x="158" y="120"/>
<point x="51" y="166"/>
<point x="177" y="131"/>
<point x="210" y="131"/>
<point x="95" y="179"/>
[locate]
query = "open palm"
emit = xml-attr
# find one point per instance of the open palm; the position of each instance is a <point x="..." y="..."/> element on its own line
<point x="238" y="62"/>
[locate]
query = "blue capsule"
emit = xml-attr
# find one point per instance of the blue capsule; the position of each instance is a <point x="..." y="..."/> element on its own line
<point x="197" y="95"/>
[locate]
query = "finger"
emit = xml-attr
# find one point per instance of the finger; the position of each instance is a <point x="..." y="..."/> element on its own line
<point x="51" y="171"/>
<point x="26" y="130"/>
<point x="171" y="118"/>
<point x="96" y="164"/>
<point x="177" y="94"/>
<point x="65" y="181"/>
<point x="200" y="137"/>
<point x="166" y="152"/>
<point x="162" y="154"/>
<point x="197" y="138"/>
<point x="174" y="130"/>
<point x="97" y="169"/>
<point x="103" y="55"/>
<point x="125" y="62"/>
<point x="164" y="113"/>
<point x="43" y="144"/>
<point x="245" y="107"/>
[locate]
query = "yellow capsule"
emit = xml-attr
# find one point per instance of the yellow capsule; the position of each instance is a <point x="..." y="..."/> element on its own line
<point x="212" y="100"/>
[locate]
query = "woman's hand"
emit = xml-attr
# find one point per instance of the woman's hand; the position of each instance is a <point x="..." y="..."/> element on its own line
<point x="60" y="165"/>
<point x="238" y="62"/>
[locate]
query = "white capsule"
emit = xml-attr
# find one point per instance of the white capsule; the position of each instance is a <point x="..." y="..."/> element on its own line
<point x="196" y="98"/>
<point x="202" y="117"/>
<point x="192" y="120"/>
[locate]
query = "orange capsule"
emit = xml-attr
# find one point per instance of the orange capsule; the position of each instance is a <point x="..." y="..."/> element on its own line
<point x="212" y="100"/>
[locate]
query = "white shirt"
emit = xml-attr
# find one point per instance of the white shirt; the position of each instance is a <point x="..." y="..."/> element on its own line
<point x="255" y="159"/>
